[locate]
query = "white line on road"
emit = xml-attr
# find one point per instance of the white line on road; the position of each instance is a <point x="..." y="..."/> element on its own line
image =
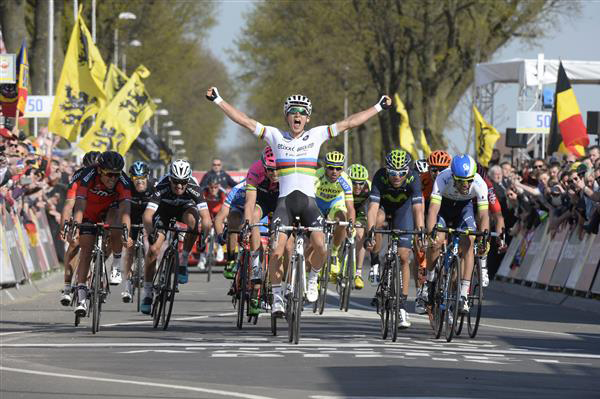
<point x="142" y="383"/>
<point x="409" y="347"/>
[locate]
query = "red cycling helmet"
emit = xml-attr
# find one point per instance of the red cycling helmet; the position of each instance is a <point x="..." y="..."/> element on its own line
<point x="268" y="158"/>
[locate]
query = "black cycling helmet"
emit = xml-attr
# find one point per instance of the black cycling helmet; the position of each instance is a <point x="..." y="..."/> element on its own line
<point x="111" y="160"/>
<point x="139" y="168"/>
<point x="91" y="158"/>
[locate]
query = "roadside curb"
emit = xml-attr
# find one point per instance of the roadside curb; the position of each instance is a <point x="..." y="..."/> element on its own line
<point x="553" y="298"/>
<point x="21" y="292"/>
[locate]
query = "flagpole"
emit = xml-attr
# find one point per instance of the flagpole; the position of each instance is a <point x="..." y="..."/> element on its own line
<point x="75" y="7"/>
<point x="50" y="47"/>
<point x="94" y="20"/>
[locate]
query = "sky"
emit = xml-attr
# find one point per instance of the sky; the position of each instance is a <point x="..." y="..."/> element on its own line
<point x="574" y="40"/>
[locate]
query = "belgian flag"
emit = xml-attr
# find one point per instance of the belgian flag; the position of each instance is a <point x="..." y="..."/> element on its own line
<point x="567" y="119"/>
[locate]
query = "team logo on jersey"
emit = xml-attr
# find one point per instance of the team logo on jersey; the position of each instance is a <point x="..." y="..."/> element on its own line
<point x="305" y="137"/>
<point x="101" y="193"/>
<point x="465" y="167"/>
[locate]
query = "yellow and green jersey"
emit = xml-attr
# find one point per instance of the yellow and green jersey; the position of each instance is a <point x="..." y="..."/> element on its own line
<point x="327" y="194"/>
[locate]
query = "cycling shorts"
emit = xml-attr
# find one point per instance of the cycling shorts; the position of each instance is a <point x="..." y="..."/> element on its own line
<point x="298" y="204"/>
<point x="266" y="203"/>
<point x="164" y="214"/>
<point x="457" y="215"/>
<point x="401" y="218"/>
<point x="361" y="213"/>
<point x="330" y="209"/>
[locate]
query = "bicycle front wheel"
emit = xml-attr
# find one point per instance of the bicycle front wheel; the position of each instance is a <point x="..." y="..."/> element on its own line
<point x="475" y="301"/>
<point x="159" y="285"/>
<point x="323" y="282"/>
<point x="453" y="297"/>
<point x="298" y="298"/>
<point x="348" y="278"/>
<point x="96" y="287"/>
<point x="136" y="284"/>
<point x="210" y="257"/>
<point x="171" y="289"/>
<point x="243" y="282"/>
<point x="396" y="297"/>
<point x="438" y="307"/>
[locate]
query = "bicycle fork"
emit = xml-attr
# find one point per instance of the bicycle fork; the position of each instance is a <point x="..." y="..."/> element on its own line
<point x="298" y="268"/>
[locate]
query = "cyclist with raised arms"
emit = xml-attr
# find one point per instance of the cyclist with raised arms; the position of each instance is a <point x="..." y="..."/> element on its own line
<point x="89" y="159"/>
<point x="436" y="162"/>
<point x="296" y="154"/>
<point x="452" y="206"/>
<point x="176" y="196"/>
<point x="334" y="199"/>
<point x="232" y="211"/>
<point x="104" y="193"/>
<point x="361" y="190"/>
<point x="262" y="191"/>
<point x="396" y="196"/>
<point x="143" y="185"/>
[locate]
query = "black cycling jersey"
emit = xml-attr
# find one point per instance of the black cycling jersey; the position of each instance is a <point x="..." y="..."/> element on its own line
<point x="139" y="200"/>
<point x="382" y="191"/>
<point x="164" y="196"/>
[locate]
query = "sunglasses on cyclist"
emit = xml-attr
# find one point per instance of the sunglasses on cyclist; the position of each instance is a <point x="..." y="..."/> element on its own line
<point x="461" y="180"/>
<point x="110" y="173"/>
<point x="298" y="110"/>
<point x="435" y="169"/>
<point x="137" y="178"/>
<point x="397" y="173"/>
<point x="338" y="168"/>
<point x="181" y="182"/>
<point x="271" y="169"/>
<point x="358" y="183"/>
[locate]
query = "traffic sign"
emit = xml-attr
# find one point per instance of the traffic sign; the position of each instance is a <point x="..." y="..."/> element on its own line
<point x="532" y="122"/>
<point x="39" y="106"/>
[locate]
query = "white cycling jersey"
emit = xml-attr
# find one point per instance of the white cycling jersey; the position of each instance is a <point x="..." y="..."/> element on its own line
<point x="444" y="188"/>
<point x="296" y="158"/>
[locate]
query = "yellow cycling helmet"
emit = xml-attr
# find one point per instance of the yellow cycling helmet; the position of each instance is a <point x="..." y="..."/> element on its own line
<point x="334" y="158"/>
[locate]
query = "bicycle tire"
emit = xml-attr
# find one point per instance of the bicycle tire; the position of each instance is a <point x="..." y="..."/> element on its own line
<point x="475" y="301"/>
<point x="347" y="280"/>
<point x="453" y="292"/>
<point x="138" y="277"/>
<point x="169" y="297"/>
<point x="323" y="282"/>
<point x="298" y="299"/>
<point x="210" y="257"/>
<point x="157" y="304"/>
<point x="96" y="308"/>
<point x="396" y="297"/>
<point x="439" y="313"/>
<point x="382" y="304"/>
<point x="289" y="305"/>
<point x="243" y="275"/>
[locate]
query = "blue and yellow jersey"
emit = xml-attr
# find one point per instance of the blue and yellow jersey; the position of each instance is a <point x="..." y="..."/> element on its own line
<point x="327" y="194"/>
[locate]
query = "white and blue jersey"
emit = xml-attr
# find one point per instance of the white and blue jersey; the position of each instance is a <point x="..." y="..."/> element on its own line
<point x="237" y="197"/>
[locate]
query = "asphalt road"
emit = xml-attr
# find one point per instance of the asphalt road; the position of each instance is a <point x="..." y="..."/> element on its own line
<point x="524" y="349"/>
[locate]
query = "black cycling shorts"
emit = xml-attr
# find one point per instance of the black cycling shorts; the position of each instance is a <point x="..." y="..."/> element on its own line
<point x="164" y="214"/>
<point x="401" y="218"/>
<point x="298" y="204"/>
<point x="266" y="203"/>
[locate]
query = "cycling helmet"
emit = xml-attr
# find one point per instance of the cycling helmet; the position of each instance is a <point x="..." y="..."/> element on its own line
<point x="297" y="100"/>
<point x="334" y="158"/>
<point x="398" y="160"/>
<point x="180" y="170"/>
<point x="111" y="160"/>
<point x="439" y="158"/>
<point x="268" y="158"/>
<point x="358" y="172"/>
<point x="139" y="168"/>
<point x="421" y="165"/>
<point x="463" y="167"/>
<point x="91" y="158"/>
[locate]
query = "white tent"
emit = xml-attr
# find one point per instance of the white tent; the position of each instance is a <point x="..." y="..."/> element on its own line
<point x="525" y="72"/>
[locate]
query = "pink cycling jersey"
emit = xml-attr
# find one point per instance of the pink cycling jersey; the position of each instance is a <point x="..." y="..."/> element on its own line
<point x="257" y="177"/>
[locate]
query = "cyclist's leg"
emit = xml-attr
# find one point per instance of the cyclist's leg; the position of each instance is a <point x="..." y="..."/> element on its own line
<point x="156" y="241"/>
<point x="116" y="245"/>
<point x="379" y="222"/>
<point x="86" y="244"/>
<point x="190" y="218"/>
<point x="360" y="255"/>
<point x="467" y="248"/>
<point x="70" y="264"/>
<point x="126" y="294"/>
<point x="234" y="222"/>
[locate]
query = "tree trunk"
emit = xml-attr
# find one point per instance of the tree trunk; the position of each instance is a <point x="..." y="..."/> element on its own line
<point x="59" y="40"/>
<point x="38" y="63"/>
<point x="12" y="19"/>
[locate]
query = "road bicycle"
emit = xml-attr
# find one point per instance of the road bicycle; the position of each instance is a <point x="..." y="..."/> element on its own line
<point x="389" y="298"/>
<point x="99" y="287"/>
<point x="345" y="281"/>
<point x="319" y="305"/>
<point x="444" y="311"/>
<point x="295" y="284"/>
<point x="137" y="272"/>
<point x="165" y="282"/>
<point x="211" y="243"/>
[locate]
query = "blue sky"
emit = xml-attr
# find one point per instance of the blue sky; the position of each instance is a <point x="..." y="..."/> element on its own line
<point x="574" y="40"/>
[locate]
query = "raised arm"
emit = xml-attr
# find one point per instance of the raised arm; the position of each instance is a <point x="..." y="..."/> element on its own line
<point x="232" y="113"/>
<point x="355" y="120"/>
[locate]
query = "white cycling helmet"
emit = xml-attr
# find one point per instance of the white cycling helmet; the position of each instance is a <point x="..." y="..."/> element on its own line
<point x="180" y="170"/>
<point x="421" y="165"/>
<point x="297" y="100"/>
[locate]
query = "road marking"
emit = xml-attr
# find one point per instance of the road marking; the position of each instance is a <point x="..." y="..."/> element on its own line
<point x="405" y="346"/>
<point x="141" y="383"/>
<point x="546" y="361"/>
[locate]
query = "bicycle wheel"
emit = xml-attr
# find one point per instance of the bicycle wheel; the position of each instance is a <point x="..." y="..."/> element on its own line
<point x="159" y="288"/>
<point x="290" y="307"/>
<point x="323" y="282"/>
<point x="453" y="296"/>
<point x="171" y="288"/>
<point x="137" y="286"/>
<point x="396" y="297"/>
<point x="96" y="287"/>
<point x="382" y="302"/>
<point x="298" y="298"/>
<point x="475" y="301"/>
<point x="210" y="257"/>
<point x="243" y="282"/>
<point x="438" y="307"/>
<point x="347" y="279"/>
